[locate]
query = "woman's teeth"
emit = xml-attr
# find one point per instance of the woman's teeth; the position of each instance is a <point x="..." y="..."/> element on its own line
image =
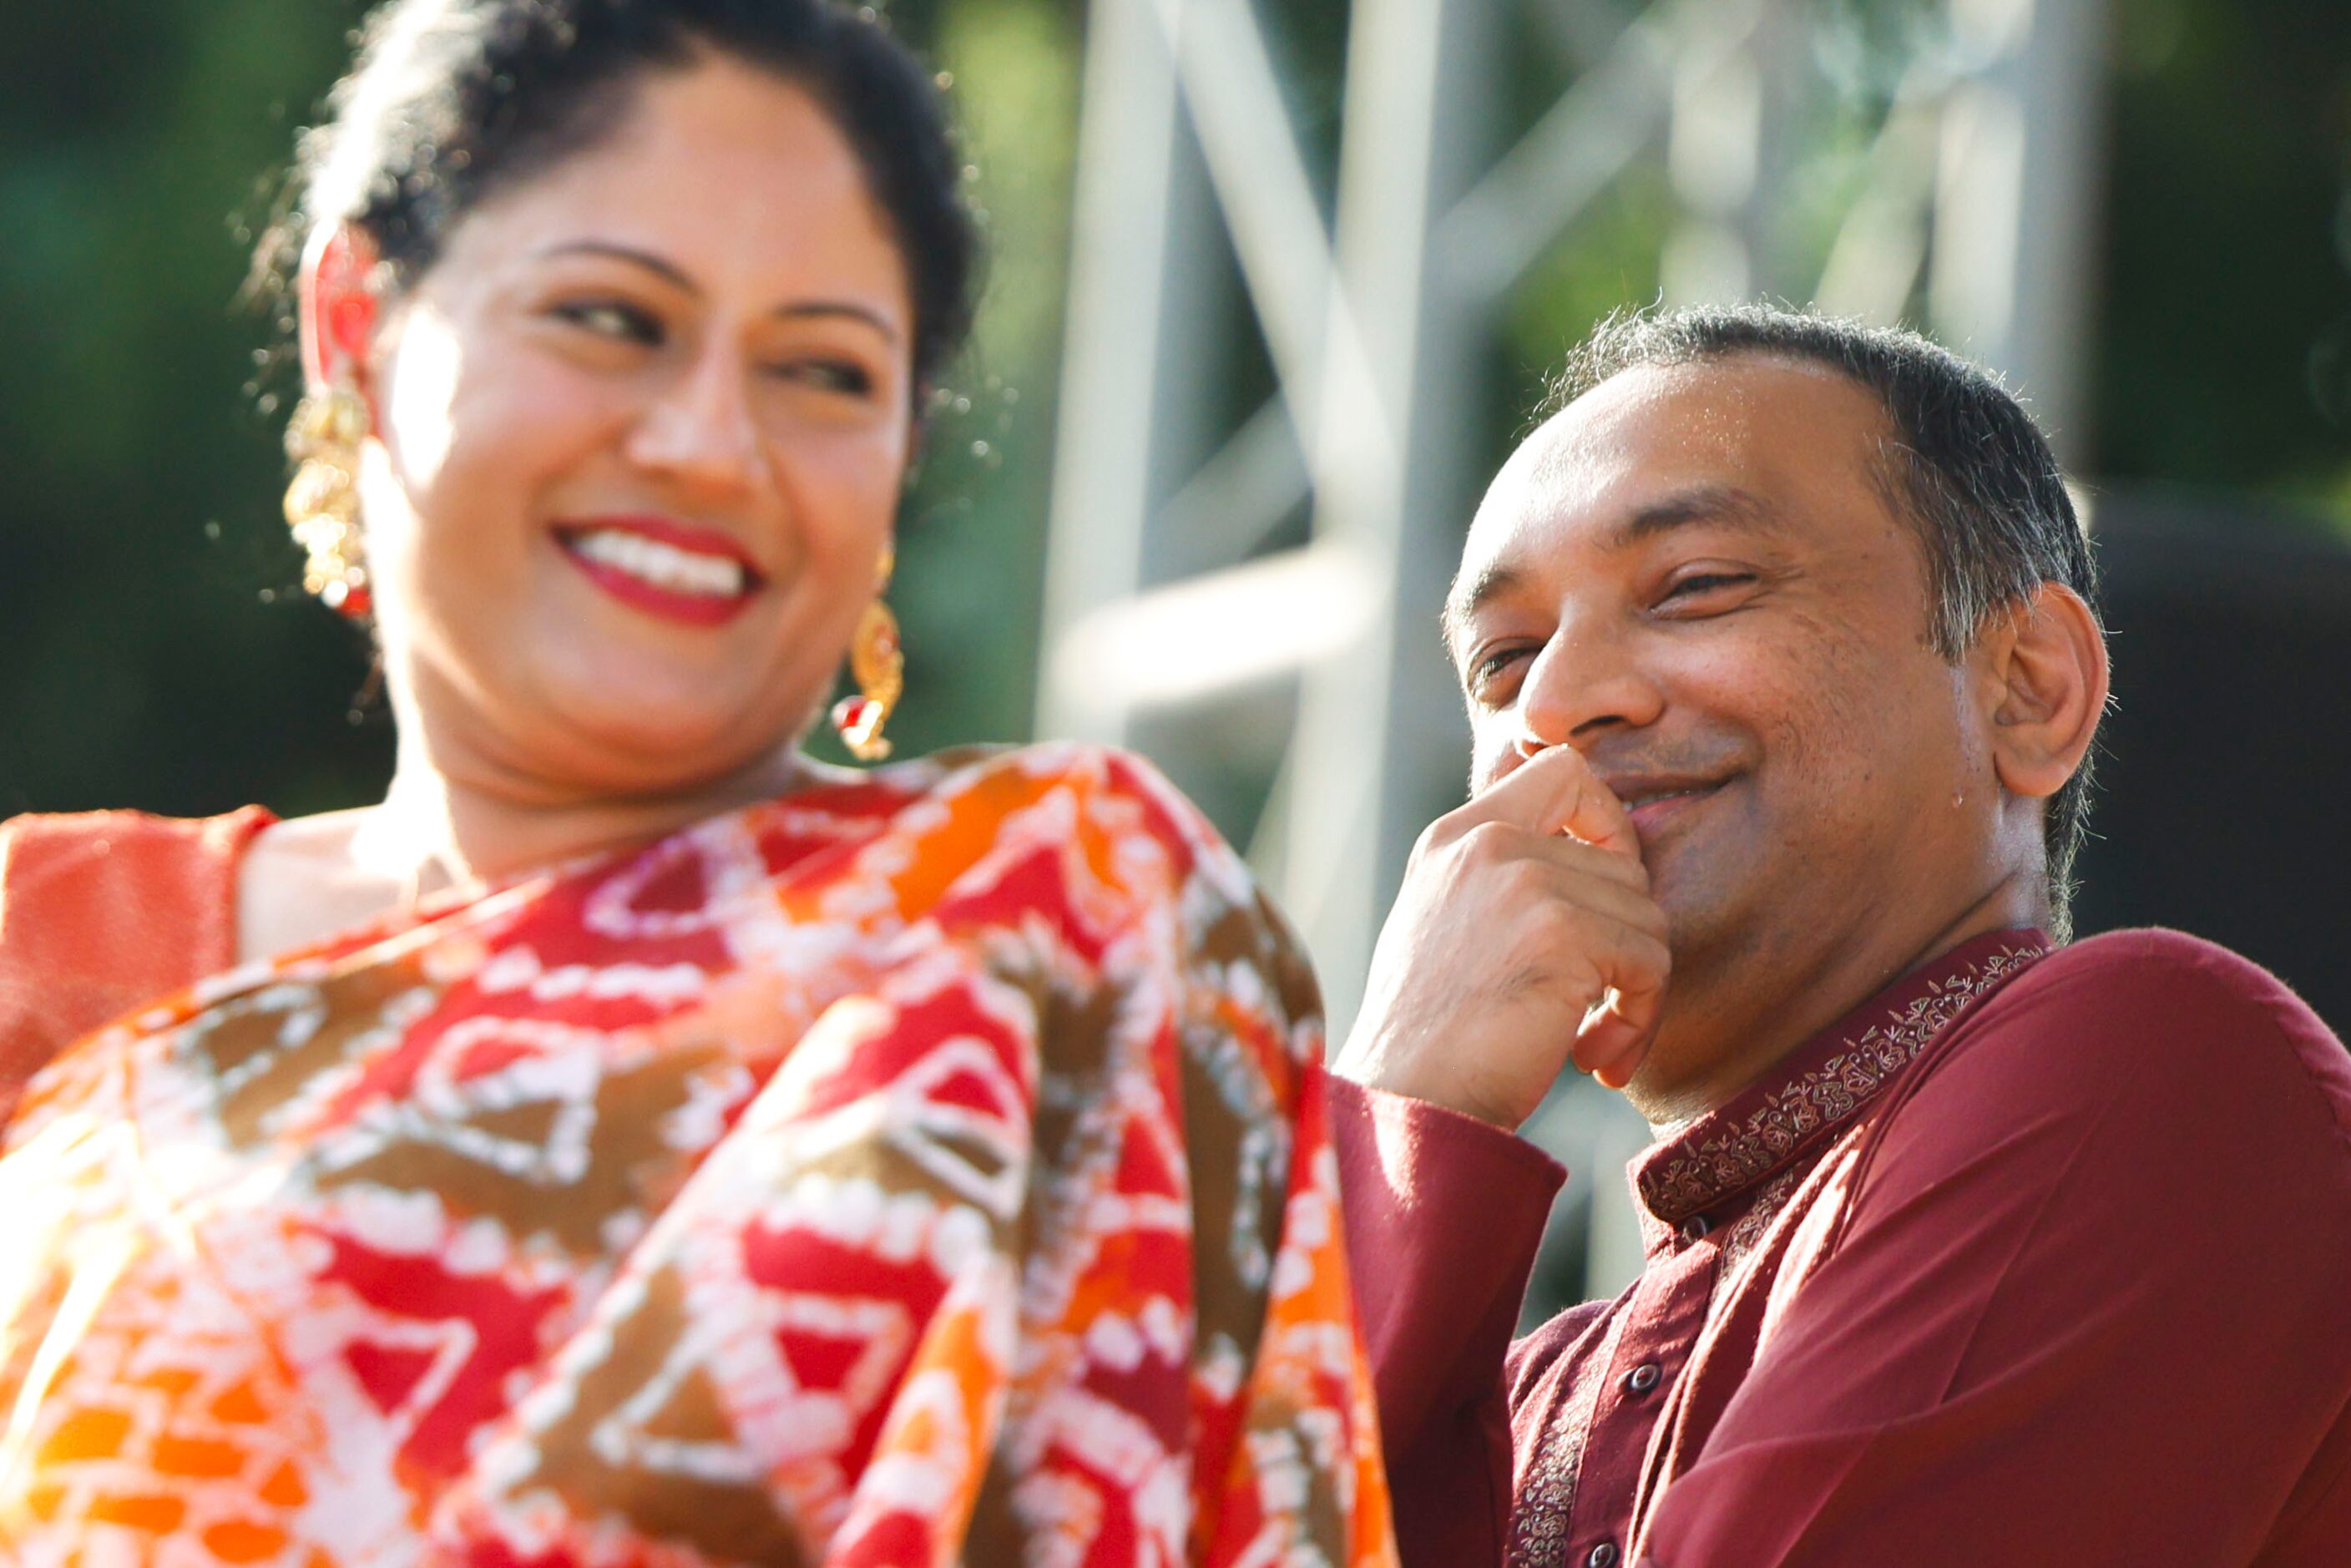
<point x="663" y="566"/>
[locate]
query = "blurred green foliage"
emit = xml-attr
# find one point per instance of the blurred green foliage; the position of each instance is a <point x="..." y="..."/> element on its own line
<point x="153" y="652"/>
<point x="2222" y="344"/>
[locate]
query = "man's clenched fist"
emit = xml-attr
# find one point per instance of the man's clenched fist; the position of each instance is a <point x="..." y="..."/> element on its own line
<point x="1524" y="935"/>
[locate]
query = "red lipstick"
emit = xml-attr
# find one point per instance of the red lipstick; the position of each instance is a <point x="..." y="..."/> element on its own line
<point x="673" y="571"/>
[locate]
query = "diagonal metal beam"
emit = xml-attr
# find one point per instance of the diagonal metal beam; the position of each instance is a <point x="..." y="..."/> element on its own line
<point x="1238" y="496"/>
<point x="1261" y="182"/>
<point x="1612" y="114"/>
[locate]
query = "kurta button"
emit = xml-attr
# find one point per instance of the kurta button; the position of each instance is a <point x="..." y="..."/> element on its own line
<point x="1644" y="1378"/>
<point x="1695" y="1228"/>
<point x="1603" y="1556"/>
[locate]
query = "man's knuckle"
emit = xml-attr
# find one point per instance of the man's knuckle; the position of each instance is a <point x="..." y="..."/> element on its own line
<point x="1490" y="843"/>
<point x="1529" y="880"/>
<point x="1559" y="926"/>
<point x="1652" y="954"/>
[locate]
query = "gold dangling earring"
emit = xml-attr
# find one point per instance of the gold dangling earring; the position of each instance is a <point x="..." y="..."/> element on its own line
<point x="879" y="666"/>
<point x="322" y="503"/>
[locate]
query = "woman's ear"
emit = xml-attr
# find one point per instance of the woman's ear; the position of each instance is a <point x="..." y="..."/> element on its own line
<point x="2050" y="666"/>
<point x="338" y="308"/>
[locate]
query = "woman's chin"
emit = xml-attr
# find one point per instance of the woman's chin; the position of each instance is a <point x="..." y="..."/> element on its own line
<point x="641" y="736"/>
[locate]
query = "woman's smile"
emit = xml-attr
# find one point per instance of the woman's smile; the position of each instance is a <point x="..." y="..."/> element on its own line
<point x="673" y="571"/>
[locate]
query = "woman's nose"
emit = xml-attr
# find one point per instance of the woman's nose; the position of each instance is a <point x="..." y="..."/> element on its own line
<point x="701" y="427"/>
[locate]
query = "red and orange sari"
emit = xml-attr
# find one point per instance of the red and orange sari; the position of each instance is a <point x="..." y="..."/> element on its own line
<point x="922" y="1171"/>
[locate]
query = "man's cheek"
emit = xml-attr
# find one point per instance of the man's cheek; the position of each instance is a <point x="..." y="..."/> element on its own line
<point x="1492" y="757"/>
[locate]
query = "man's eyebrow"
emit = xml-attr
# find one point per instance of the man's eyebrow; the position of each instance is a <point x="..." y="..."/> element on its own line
<point x="1700" y="504"/>
<point x="663" y="269"/>
<point x="1462" y="605"/>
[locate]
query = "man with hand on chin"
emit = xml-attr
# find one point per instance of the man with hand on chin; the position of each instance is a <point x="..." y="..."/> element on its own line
<point x="1964" y="1245"/>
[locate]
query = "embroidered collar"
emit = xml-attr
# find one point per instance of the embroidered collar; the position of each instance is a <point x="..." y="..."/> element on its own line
<point x="1825" y="1083"/>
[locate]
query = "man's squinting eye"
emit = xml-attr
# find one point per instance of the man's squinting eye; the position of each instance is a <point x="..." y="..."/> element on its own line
<point x="1699" y="588"/>
<point x="1489" y="667"/>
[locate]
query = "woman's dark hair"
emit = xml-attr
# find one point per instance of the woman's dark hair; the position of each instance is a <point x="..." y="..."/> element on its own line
<point x="451" y="98"/>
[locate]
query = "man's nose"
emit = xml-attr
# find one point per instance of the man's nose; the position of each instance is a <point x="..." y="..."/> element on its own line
<point x="1587" y="682"/>
<point x="700" y="428"/>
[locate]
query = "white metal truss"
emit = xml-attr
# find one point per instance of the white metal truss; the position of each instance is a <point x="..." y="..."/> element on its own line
<point x="1161" y="595"/>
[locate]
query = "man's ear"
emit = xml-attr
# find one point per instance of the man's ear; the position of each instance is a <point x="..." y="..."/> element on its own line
<point x="338" y="309"/>
<point x="2050" y="669"/>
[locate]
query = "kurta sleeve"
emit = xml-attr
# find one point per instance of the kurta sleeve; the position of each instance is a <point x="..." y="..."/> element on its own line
<point x="1443" y="1214"/>
<point x="2088" y="1303"/>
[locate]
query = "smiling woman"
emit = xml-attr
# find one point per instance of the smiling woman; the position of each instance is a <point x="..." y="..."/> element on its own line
<point x="630" y="1142"/>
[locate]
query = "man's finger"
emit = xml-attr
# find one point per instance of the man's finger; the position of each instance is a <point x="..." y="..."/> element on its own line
<point x="1555" y="791"/>
<point x="1615" y="1033"/>
<point x="1576" y="857"/>
<point x="1610" y="1047"/>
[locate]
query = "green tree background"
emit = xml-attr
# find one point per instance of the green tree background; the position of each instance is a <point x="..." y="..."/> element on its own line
<point x="154" y="653"/>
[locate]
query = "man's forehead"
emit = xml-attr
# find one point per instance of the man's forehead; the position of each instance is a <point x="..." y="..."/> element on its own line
<point x="1755" y="440"/>
<point x="1759" y="427"/>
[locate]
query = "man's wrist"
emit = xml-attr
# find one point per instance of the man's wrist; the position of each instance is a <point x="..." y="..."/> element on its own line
<point x="1393" y="1069"/>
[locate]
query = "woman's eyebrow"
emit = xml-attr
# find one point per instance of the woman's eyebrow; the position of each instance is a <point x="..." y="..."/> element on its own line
<point x="839" y="308"/>
<point x="645" y="259"/>
<point x="670" y="272"/>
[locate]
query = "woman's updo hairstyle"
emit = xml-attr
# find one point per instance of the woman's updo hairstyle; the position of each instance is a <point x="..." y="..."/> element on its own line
<point x="452" y="98"/>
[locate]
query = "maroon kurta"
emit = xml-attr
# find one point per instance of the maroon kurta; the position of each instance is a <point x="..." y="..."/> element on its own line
<point x="2030" y="1259"/>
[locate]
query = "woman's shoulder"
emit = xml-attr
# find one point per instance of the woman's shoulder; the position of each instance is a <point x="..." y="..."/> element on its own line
<point x="108" y="882"/>
<point x="75" y="854"/>
<point x="128" y="825"/>
<point x="1050" y="813"/>
<point x="989" y="784"/>
<point x="1096" y="837"/>
<point x="100" y="910"/>
<point x="1079" y="762"/>
<point x="1105" y="792"/>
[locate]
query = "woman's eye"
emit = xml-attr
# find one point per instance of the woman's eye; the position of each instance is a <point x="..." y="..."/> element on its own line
<point x="845" y="376"/>
<point x="611" y="319"/>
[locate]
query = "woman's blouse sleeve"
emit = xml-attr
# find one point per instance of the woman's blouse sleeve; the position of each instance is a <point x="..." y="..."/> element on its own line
<point x="102" y="911"/>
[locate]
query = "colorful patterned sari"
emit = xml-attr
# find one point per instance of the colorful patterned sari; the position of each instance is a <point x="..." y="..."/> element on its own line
<point x="927" y="1170"/>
